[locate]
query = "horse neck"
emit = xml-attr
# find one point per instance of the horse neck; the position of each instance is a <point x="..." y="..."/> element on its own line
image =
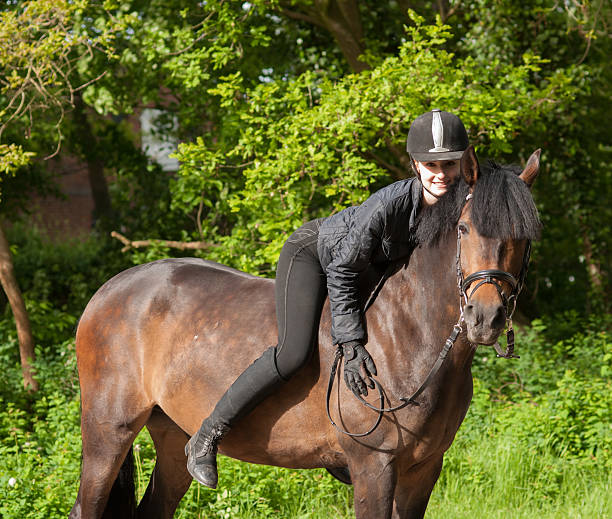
<point x="419" y="305"/>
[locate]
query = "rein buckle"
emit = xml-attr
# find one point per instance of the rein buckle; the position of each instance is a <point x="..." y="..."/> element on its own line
<point x="509" y="353"/>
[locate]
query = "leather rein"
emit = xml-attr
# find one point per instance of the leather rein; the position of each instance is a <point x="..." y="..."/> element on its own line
<point x="482" y="277"/>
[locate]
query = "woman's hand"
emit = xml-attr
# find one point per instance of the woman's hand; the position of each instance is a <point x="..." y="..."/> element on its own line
<point x="356" y="357"/>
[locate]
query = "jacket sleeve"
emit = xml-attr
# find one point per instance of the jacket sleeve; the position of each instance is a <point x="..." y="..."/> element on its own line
<point x="350" y="257"/>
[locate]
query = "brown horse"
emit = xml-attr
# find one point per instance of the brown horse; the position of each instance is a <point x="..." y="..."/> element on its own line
<point x="159" y="343"/>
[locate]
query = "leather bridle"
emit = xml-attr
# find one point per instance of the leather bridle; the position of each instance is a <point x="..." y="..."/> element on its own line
<point x="482" y="277"/>
<point x="493" y="277"/>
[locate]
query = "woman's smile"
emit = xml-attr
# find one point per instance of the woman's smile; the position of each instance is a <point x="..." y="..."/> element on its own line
<point x="436" y="177"/>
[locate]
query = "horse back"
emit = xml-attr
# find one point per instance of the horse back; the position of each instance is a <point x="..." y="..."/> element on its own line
<point x="163" y="324"/>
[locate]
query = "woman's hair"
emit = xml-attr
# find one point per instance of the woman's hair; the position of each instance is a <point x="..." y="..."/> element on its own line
<point x="502" y="207"/>
<point x="437" y="220"/>
<point x="414" y="168"/>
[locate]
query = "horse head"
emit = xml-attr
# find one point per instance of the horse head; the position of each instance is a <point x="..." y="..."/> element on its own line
<point x="494" y="231"/>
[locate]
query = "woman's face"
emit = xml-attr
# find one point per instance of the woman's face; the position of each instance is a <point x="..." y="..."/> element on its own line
<point x="436" y="177"/>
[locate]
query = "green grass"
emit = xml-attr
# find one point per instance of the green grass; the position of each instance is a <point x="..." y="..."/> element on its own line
<point x="249" y="491"/>
<point x="494" y="479"/>
<point x="252" y="492"/>
<point x="484" y="477"/>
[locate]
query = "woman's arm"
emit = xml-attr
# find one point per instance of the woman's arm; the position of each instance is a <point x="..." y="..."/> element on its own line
<point x="349" y="258"/>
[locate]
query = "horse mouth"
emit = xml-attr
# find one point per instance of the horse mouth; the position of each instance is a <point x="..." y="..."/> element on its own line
<point x="484" y="336"/>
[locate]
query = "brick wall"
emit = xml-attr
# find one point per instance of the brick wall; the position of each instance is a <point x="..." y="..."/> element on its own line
<point x="70" y="216"/>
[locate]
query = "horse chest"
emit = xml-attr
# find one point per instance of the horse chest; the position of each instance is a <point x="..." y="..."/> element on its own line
<point x="418" y="431"/>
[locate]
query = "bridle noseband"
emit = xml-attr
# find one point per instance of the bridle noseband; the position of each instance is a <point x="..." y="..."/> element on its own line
<point x="487" y="276"/>
<point x="492" y="277"/>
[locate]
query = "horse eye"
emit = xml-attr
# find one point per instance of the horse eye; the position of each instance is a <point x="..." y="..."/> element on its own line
<point x="463" y="228"/>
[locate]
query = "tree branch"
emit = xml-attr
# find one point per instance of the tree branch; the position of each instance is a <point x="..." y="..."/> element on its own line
<point x="296" y="15"/>
<point x="396" y="172"/>
<point x="341" y="18"/>
<point x="22" y="321"/>
<point x="400" y="154"/>
<point x="181" y="245"/>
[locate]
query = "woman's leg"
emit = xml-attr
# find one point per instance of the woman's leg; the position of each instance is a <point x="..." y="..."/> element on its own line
<point x="300" y="293"/>
<point x="301" y="288"/>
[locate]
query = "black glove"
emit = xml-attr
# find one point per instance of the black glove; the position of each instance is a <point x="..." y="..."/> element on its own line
<point x="356" y="356"/>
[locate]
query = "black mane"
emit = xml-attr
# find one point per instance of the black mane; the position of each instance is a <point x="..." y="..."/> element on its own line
<point x="502" y="208"/>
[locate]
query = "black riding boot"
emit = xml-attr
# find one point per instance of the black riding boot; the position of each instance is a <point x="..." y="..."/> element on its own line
<point x="255" y="383"/>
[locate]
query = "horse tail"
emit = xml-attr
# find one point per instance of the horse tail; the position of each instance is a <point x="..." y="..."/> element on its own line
<point x="122" y="499"/>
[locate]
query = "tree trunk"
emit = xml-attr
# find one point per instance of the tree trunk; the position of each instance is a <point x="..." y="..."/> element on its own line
<point x="596" y="297"/>
<point x="24" y="331"/>
<point x="343" y="21"/>
<point x="95" y="163"/>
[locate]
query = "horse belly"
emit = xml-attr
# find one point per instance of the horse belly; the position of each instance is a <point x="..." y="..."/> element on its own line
<point x="288" y="429"/>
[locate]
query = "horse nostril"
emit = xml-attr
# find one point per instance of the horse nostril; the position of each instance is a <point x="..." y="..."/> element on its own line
<point x="470" y="314"/>
<point x="499" y="318"/>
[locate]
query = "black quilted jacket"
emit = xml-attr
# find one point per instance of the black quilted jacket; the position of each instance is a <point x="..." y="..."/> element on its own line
<point x="378" y="231"/>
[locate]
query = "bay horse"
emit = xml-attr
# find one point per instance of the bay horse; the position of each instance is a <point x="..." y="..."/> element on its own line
<point x="159" y="343"/>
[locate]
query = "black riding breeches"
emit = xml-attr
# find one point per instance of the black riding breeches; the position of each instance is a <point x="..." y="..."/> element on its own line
<point x="301" y="288"/>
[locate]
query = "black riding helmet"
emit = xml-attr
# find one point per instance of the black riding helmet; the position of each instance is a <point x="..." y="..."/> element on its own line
<point x="437" y="135"/>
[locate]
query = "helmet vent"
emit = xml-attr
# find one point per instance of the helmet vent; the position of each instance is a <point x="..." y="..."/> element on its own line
<point x="437" y="132"/>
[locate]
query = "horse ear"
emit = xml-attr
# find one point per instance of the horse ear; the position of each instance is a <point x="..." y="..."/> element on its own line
<point x="532" y="168"/>
<point x="470" y="169"/>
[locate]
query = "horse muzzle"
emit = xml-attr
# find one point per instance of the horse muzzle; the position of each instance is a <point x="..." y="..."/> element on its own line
<point x="485" y="323"/>
<point x="486" y="314"/>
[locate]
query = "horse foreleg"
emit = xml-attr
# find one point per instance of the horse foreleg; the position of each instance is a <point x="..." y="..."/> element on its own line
<point x="170" y="479"/>
<point x="374" y="477"/>
<point x="414" y="487"/>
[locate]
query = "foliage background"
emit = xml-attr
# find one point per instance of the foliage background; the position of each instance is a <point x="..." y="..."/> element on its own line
<point x="282" y="118"/>
<point x="536" y="438"/>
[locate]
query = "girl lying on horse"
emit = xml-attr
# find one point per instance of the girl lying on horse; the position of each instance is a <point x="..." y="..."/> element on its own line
<point x="324" y="258"/>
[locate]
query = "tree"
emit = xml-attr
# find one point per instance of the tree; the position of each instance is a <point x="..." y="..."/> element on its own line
<point x="41" y="45"/>
<point x="309" y="145"/>
<point x="309" y="102"/>
<point x="571" y="266"/>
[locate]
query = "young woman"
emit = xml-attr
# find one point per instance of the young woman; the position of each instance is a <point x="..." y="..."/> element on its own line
<point x="325" y="257"/>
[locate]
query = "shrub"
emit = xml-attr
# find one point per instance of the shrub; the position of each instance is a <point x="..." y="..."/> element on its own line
<point x="65" y="273"/>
